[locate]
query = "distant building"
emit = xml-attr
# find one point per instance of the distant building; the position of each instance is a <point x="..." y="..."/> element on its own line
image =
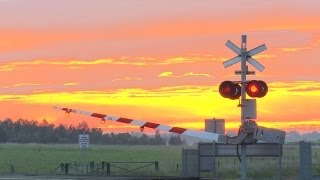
<point x="215" y="125"/>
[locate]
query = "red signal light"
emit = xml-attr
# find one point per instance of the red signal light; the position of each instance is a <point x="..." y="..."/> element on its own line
<point x="230" y="90"/>
<point x="256" y="88"/>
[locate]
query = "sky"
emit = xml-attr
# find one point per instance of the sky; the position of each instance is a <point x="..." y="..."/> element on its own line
<point x="159" y="61"/>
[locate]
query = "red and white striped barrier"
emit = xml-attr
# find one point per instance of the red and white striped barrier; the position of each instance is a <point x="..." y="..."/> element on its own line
<point x="142" y="124"/>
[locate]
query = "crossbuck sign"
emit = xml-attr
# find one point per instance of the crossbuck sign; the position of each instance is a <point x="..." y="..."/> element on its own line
<point x="84" y="140"/>
<point x="248" y="56"/>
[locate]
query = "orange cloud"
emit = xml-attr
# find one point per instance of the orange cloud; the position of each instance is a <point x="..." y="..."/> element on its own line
<point x="265" y="56"/>
<point x="26" y="84"/>
<point x="294" y="49"/>
<point x="165" y="74"/>
<point x="71" y="84"/>
<point x="170" y="74"/>
<point x="196" y="74"/>
<point x="127" y="79"/>
<point x="137" y="61"/>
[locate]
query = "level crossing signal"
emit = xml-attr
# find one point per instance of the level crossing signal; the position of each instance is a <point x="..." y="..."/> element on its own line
<point x="229" y="89"/>
<point x="232" y="90"/>
<point x="256" y="88"/>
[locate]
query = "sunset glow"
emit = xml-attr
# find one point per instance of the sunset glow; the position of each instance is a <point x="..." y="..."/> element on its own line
<point x="157" y="61"/>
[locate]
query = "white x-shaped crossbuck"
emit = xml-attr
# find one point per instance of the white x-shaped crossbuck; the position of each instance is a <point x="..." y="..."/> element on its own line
<point x="248" y="55"/>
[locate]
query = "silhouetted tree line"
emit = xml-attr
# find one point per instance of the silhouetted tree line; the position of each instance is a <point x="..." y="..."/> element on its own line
<point x="30" y="131"/>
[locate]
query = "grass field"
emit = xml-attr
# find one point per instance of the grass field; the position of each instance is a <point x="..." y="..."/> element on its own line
<point x="46" y="159"/>
<point x="43" y="159"/>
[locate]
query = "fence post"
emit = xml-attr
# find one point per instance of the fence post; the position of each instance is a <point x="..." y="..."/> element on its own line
<point x="280" y="161"/>
<point x="76" y="166"/>
<point x="156" y="165"/>
<point x="62" y="167"/>
<point x="177" y="167"/>
<point x="91" y="167"/>
<point x="66" y="168"/>
<point x="11" y="168"/>
<point x="98" y="168"/>
<point x="213" y="168"/>
<point x="102" y="165"/>
<point x="108" y="168"/>
<point x="87" y="166"/>
<point x="305" y="160"/>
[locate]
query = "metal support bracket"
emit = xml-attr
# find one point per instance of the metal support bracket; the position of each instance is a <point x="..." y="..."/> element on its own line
<point x="250" y="133"/>
<point x="269" y="135"/>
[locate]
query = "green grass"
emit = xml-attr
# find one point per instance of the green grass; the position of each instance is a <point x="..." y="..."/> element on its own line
<point x="44" y="159"/>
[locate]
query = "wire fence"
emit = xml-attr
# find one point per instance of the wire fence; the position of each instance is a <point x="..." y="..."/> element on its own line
<point x="268" y="167"/>
<point x="83" y="168"/>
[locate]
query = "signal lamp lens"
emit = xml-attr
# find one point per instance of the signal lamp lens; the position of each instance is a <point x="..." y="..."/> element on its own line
<point x="230" y="90"/>
<point x="256" y="88"/>
<point x="253" y="88"/>
<point x="226" y="89"/>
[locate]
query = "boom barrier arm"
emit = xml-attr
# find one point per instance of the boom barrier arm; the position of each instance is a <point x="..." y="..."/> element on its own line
<point x="199" y="134"/>
<point x="248" y="133"/>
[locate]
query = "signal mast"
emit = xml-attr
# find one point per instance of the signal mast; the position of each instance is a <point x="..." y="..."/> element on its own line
<point x="254" y="88"/>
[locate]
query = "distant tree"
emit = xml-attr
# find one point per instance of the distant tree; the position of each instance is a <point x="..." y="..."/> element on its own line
<point x="106" y="138"/>
<point x="3" y="135"/>
<point x="157" y="139"/>
<point x="30" y="131"/>
<point x="46" y="132"/>
<point x="61" y="132"/>
<point x="83" y="127"/>
<point x="96" y="136"/>
<point x="8" y="127"/>
<point x="175" y="140"/>
<point x="143" y="139"/>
